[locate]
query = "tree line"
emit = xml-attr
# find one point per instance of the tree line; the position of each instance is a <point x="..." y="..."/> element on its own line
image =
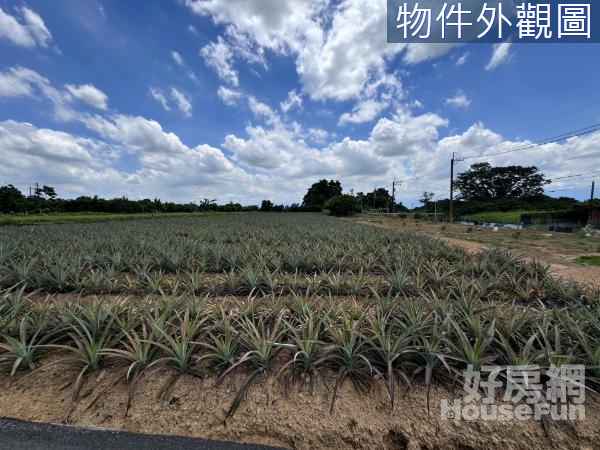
<point x="481" y="188"/>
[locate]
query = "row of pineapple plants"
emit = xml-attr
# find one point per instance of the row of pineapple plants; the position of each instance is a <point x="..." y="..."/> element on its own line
<point x="301" y="339"/>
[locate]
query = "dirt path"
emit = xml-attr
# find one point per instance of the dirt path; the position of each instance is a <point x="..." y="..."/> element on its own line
<point x="562" y="265"/>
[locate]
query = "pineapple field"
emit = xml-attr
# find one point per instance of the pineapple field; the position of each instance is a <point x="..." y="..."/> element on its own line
<point x="297" y="330"/>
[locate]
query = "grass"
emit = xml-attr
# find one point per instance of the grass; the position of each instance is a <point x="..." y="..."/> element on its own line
<point x="24" y="219"/>
<point x="589" y="260"/>
<point x="498" y="216"/>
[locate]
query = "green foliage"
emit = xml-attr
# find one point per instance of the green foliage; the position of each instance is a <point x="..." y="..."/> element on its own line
<point x="316" y="298"/>
<point x="319" y="193"/>
<point x="379" y="199"/>
<point x="343" y="205"/>
<point x="266" y="206"/>
<point x="484" y="182"/>
<point x="11" y="199"/>
<point x="589" y="260"/>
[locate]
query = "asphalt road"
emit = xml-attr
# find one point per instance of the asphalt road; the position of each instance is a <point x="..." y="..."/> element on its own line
<point x="19" y="434"/>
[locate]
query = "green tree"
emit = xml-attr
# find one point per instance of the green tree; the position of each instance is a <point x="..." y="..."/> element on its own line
<point x="426" y="197"/>
<point x="11" y="199"/>
<point x="319" y="193"/>
<point x="484" y="182"/>
<point x="378" y="199"/>
<point x="47" y="192"/>
<point x="343" y="205"/>
<point x="266" y="206"/>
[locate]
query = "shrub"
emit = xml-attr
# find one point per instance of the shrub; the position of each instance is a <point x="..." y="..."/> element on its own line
<point x="342" y="205"/>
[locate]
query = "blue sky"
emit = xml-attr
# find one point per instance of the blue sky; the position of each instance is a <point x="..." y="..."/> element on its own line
<point x="243" y="100"/>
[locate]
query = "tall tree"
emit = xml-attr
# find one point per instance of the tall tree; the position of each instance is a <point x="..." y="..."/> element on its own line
<point x="484" y="182"/>
<point x="318" y="194"/>
<point x="11" y="199"/>
<point x="47" y="192"/>
<point x="266" y="206"/>
<point x="426" y="197"/>
<point x="379" y="198"/>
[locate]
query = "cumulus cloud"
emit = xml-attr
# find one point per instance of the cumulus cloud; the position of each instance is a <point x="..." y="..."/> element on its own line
<point x="293" y="100"/>
<point x="274" y="160"/>
<point x="78" y="166"/>
<point x="262" y="110"/>
<point x="219" y="57"/>
<point x="500" y="55"/>
<point x="26" y="28"/>
<point x="365" y="111"/>
<point x="89" y="94"/>
<point x="229" y="96"/>
<point x="81" y="166"/>
<point x="318" y="135"/>
<point x="323" y="36"/>
<point x="23" y="82"/>
<point x="460" y="100"/>
<point x="405" y="134"/>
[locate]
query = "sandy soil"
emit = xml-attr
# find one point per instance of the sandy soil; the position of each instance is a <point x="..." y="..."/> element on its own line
<point x="292" y="419"/>
<point x="559" y="250"/>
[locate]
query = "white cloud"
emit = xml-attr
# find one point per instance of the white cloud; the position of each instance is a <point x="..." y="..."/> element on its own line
<point x="229" y="96"/>
<point x="160" y="97"/>
<point x="323" y="36"/>
<point x="180" y="61"/>
<point x="364" y="111"/>
<point x="460" y="100"/>
<point x="500" y="55"/>
<point x="417" y="53"/>
<point x="264" y="149"/>
<point x="22" y="82"/>
<point x="262" y="110"/>
<point x="89" y="94"/>
<point x="318" y="135"/>
<point x="178" y="58"/>
<point x="218" y="56"/>
<point x="83" y="166"/>
<point x="19" y="81"/>
<point x="244" y="47"/>
<point x="183" y="103"/>
<point x="28" y="30"/>
<point x="77" y="166"/>
<point x="462" y="59"/>
<point x="405" y="134"/>
<point x="162" y="154"/>
<point x="293" y="100"/>
<point x="271" y="161"/>
<point x="270" y="22"/>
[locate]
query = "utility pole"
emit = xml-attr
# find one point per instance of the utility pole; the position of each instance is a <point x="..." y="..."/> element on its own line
<point x="451" y="207"/>
<point x="592" y="201"/>
<point x="393" y="208"/>
<point x="37" y="193"/>
<point x="453" y="161"/>
<point x="375" y="198"/>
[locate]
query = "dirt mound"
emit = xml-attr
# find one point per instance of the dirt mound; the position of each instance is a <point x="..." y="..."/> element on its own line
<point x="291" y="417"/>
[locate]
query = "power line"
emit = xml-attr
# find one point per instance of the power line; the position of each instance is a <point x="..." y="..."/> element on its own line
<point x="557" y="116"/>
<point x="576" y="176"/>
<point x="586" y="156"/>
<point x="575" y="133"/>
<point x="570" y="189"/>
